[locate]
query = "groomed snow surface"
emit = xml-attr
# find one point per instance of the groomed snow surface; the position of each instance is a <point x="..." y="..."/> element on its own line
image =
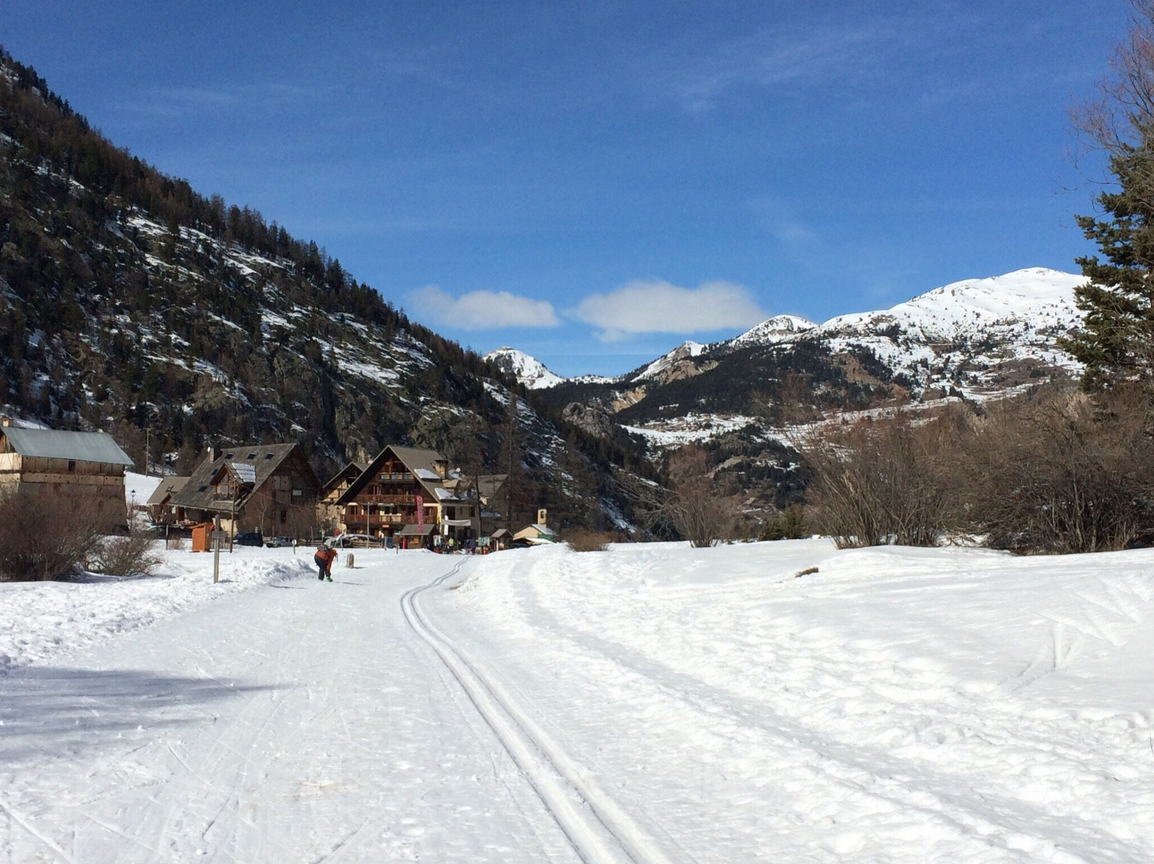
<point x="650" y="703"/>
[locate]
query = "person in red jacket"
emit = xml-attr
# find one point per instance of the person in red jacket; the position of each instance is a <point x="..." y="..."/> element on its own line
<point x="324" y="561"/>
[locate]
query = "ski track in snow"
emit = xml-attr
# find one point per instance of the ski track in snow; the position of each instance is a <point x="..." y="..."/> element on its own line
<point x="649" y="704"/>
<point x="600" y="831"/>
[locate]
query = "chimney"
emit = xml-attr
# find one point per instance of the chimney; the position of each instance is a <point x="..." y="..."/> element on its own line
<point x="6" y="421"/>
<point x="542" y="515"/>
<point x="442" y="468"/>
<point x="213" y="452"/>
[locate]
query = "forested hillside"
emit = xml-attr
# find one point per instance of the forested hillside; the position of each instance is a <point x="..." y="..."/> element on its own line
<point x="130" y="303"/>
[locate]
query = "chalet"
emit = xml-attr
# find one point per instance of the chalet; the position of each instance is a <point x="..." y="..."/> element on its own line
<point x="159" y="504"/>
<point x="328" y="509"/>
<point x="270" y="488"/>
<point x="83" y="469"/>
<point x="410" y="493"/>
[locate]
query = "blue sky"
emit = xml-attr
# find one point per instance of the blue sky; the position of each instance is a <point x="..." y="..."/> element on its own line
<point x="595" y="182"/>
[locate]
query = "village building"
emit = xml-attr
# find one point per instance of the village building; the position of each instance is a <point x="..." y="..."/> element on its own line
<point x="159" y="504"/>
<point x="266" y="488"/>
<point x="503" y="505"/>
<point x="328" y="508"/>
<point x="84" y="471"/>
<point x="538" y="532"/>
<point x="410" y="494"/>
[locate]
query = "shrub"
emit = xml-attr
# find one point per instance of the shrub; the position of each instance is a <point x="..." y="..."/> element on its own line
<point x="585" y="540"/>
<point x="44" y="537"/>
<point x="881" y="482"/>
<point x="788" y="524"/>
<point x="1061" y="472"/>
<point x="133" y="555"/>
<point x="698" y="509"/>
<point x="1053" y="471"/>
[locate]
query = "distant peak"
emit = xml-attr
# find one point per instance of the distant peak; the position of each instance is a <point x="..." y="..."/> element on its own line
<point x="775" y="329"/>
<point x="526" y="368"/>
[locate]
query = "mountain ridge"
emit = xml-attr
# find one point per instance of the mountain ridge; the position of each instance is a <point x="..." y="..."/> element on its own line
<point x="1023" y="303"/>
<point x="133" y="304"/>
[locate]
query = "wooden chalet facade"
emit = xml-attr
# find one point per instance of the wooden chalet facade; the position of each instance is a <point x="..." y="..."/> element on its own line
<point x="159" y="505"/>
<point x="409" y="493"/>
<point x="268" y="488"/>
<point x="328" y="509"/>
<point x="82" y="470"/>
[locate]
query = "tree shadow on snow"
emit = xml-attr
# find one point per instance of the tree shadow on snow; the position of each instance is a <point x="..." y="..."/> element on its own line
<point x="65" y="711"/>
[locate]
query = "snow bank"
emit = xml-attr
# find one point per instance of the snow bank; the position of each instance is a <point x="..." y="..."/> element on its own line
<point x="899" y="705"/>
<point x="55" y="620"/>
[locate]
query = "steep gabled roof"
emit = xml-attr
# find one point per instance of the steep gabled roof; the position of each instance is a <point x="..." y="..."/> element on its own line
<point x="168" y="486"/>
<point x="197" y="493"/>
<point x="418" y="462"/>
<point x="359" y="467"/>
<point x="490" y="484"/>
<point x="57" y="444"/>
<point x="415" y="458"/>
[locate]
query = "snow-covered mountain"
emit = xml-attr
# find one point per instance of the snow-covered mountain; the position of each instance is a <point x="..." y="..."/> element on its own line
<point x="976" y="338"/>
<point x="524" y="367"/>
<point x="966" y="332"/>
<point x="665" y="367"/>
<point x="776" y="329"/>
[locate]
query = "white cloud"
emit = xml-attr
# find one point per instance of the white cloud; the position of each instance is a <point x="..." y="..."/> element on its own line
<point x="480" y="310"/>
<point x="656" y="306"/>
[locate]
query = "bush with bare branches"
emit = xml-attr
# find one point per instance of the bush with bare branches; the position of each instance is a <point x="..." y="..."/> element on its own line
<point x="45" y="537"/>
<point x="585" y="540"/>
<point x="880" y="482"/>
<point x="133" y="555"/>
<point x="1052" y="471"/>
<point x="1063" y="472"/>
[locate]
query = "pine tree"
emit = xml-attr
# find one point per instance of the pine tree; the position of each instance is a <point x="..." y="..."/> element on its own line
<point x="1116" y="343"/>
<point x="1117" y="337"/>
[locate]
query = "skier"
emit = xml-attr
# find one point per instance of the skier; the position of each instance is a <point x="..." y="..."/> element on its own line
<point x="324" y="561"/>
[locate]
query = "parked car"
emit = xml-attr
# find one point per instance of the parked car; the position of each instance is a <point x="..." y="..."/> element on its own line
<point x="355" y="541"/>
<point x="248" y="538"/>
<point x="278" y="542"/>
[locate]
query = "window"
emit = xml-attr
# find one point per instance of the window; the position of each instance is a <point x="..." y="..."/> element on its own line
<point x="297" y="493"/>
<point x="71" y="465"/>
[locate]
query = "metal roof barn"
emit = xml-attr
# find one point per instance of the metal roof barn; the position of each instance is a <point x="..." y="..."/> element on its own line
<point x="57" y="444"/>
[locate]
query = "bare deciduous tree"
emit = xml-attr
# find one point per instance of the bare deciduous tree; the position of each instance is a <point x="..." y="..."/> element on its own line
<point x="693" y="506"/>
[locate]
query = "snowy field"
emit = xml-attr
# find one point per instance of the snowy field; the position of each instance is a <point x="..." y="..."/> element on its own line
<point x="651" y="703"/>
<point x="42" y="620"/>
